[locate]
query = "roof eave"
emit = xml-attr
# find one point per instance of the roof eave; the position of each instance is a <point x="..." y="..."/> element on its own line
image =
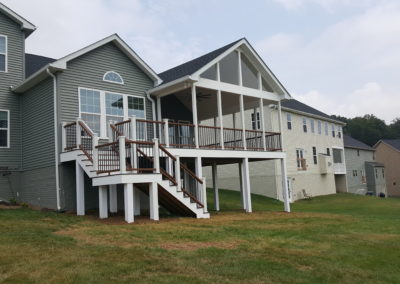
<point x="26" y="26"/>
<point x="313" y="115"/>
<point x="166" y="88"/>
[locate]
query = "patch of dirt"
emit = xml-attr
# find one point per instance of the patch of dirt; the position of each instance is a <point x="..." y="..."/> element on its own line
<point x="5" y="206"/>
<point x="192" y="246"/>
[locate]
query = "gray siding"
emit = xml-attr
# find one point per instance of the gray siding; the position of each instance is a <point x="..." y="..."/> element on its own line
<point x="357" y="163"/>
<point x="11" y="157"/>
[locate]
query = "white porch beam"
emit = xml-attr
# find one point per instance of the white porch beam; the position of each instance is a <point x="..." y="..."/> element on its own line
<point x="221" y="121"/>
<point x="128" y="203"/>
<point x="240" y="68"/>
<point x="247" y="189"/>
<point x="103" y="204"/>
<point x="243" y="121"/>
<point x="195" y="117"/>
<point x="112" y="190"/>
<point x="285" y="189"/>
<point x="262" y="119"/>
<point x="215" y="186"/>
<point x="159" y="115"/>
<point x="80" y="189"/>
<point x="199" y="174"/>
<point x="153" y="194"/>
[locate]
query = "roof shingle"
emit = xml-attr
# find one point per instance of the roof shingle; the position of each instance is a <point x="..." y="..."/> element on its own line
<point x="350" y="142"/>
<point x="299" y="106"/>
<point x="34" y="62"/>
<point x="395" y="143"/>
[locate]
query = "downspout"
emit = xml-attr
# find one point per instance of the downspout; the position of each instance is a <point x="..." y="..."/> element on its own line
<point x="56" y="137"/>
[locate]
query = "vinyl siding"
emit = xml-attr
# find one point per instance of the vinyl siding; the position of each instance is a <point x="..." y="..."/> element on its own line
<point x="357" y="163"/>
<point x="15" y="38"/>
<point x="390" y="157"/>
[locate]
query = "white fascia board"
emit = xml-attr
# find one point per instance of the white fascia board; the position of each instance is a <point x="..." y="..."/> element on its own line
<point x="36" y="78"/>
<point x="205" y="153"/>
<point x="25" y="24"/>
<point x="254" y="53"/>
<point x="313" y="116"/>
<point x="122" y="45"/>
<point x="165" y="89"/>
<point x="235" y="89"/>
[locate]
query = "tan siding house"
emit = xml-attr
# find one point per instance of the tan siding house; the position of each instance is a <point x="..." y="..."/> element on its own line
<point x="387" y="151"/>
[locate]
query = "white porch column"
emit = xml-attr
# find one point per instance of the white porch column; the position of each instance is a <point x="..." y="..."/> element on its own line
<point x="215" y="186"/>
<point x="262" y="119"/>
<point x="285" y="189"/>
<point x="194" y="111"/>
<point x="122" y="154"/>
<point x="247" y="189"/>
<point x="112" y="191"/>
<point x="128" y="203"/>
<point x="199" y="174"/>
<point x="136" y="201"/>
<point x="243" y="122"/>
<point x="280" y="123"/>
<point x="103" y="206"/>
<point x="153" y="194"/>
<point x="221" y="122"/>
<point x="80" y="189"/>
<point x="242" y="192"/>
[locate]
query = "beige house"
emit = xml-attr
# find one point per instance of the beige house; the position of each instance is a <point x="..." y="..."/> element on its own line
<point x="387" y="151"/>
<point x="313" y="143"/>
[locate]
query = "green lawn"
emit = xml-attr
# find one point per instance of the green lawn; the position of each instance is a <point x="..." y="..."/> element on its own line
<point x="340" y="238"/>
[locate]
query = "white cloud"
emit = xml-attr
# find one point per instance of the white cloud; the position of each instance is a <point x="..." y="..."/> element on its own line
<point x="371" y="98"/>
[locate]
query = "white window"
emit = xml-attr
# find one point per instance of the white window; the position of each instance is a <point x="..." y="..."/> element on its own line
<point x="301" y="162"/>
<point x="255" y="121"/>
<point x="4" y="129"/>
<point x="312" y="125"/>
<point x="319" y="127"/>
<point x="333" y="130"/>
<point x="339" y="132"/>
<point x="305" y="125"/>
<point x="289" y="121"/>
<point x="97" y="108"/>
<point x="113" y="77"/>
<point x="3" y="53"/>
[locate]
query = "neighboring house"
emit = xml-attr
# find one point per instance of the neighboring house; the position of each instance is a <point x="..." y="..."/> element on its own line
<point x="364" y="174"/>
<point x="99" y="128"/>
<point x="387" y="152"/>
<point x="313" y="143"/>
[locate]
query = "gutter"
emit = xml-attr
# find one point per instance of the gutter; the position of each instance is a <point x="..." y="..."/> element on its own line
<point x="58" y="189"/>
<point x="153" y="105"/>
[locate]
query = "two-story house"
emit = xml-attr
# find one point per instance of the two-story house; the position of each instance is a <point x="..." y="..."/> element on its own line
<point x="387" y="152"/>
<point x="364" y="174"/>
<point x="99" y="129"/>
<point x="313" y="143"/>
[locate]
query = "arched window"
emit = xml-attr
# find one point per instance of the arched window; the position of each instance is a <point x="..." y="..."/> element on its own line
<point x="114" y="77"/>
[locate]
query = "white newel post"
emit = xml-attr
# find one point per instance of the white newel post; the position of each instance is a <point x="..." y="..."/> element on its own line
<point x="103" y="206"/>
<point x="128" y="202"/>
<point x="156" y="156"/>
<point x="153" y="190"/>
<point x="95" y="152"/>
<point x="133" y="137"/>
<point x="285" y="189"/>
<point x="263" y="124"/>
<point x="132" y="128"/>
<point x="178" y="173"/>
<point x="63" y="136"/>
<point x="204" y="197"/>
<point x="122" y="154"/>
<point x="243" y="122"/>
<point x="194" y="111"/>
<point x="80" y="189"/>
<point x="110" y="132"/>
<point x="199" y="174"/>
<point x="78" y="134"/>
<point x="166" y="132"/>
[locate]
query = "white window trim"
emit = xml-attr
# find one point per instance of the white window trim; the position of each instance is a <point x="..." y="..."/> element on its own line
<point x="6" y="54"/>
<point x="108" y="72"/>
<point x="8" y="129"/>
<point x="103" y="114"/>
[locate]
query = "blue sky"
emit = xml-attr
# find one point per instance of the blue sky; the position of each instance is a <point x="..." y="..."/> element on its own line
<point x="340" y="56"/>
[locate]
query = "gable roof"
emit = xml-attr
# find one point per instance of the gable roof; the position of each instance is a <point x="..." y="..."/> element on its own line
<point x="350" y="142"/>
<point x="33" y="63"/>
<point x="61" y="64"/>
<point x="26" y="26"/>
<point x="188" y="68"/>
<point x="296" y="105"/>
<point x="395" y="143"/>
